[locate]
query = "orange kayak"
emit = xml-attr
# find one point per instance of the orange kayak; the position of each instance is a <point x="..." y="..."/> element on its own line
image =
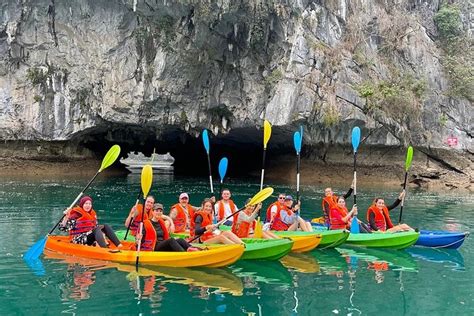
<point x="213" y="257"/>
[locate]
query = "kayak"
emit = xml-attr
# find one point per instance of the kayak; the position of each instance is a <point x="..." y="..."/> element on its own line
<point x="255" y="248"/>
<point x="329" y="238"/>
<point x="398" y="240"/>
<point x="302" y="242"/>
<point x="212" y="257"/>
<point x="441" y="239"/>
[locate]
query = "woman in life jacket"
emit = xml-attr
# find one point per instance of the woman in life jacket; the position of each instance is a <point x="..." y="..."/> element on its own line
<point x="244" y="224"/>
<point x="203" y="227"/>
<point x="135" y="215"/>
<point x="81" y="222"/>
<point x="379" y="218"/>
<point x="287" y="219"/>
<point x="341" y="218"/>
<point x="155" y="235"/>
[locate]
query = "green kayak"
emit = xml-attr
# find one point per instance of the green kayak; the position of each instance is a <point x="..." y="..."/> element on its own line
<point x="399" y="240"/>
<point x="255" y="248"/>
<point x="329" y="238"/>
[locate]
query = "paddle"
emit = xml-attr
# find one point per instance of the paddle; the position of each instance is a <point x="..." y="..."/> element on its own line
<point x="37" y="249"/>
<point x="205" y="141"/>
<point x="297" y="142"/>
<point x="267" y="133"/>
<point x="146" y="180"/>
<point x="407" y="167"/>
<point x="355" y="229"/>
<point x="261" y="196"/>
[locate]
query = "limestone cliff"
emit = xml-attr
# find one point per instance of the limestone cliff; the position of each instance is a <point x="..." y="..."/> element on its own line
<point x="72" y="69"/>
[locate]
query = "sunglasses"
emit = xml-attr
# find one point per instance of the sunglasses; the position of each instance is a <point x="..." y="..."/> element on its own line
<point x="281" y="198"/>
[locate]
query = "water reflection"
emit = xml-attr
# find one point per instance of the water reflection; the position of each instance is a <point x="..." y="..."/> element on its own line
<point x="450" y="258"/>
<point x="301" y="262"/>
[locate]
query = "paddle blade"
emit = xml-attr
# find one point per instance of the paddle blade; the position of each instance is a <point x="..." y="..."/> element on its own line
<point x="258" y="233"/>
<point x="110" y="157"/>
<point x="36" y="250"/>
<point x="146" y="179"/>
<point x="297" y="142"/>
<point x="355" y="229"/>
<point x="409" y="158"/>
<point x="267" y="132"/>
<point x="205" y="140"/>
<point x="355" y="138"/>
<point x="260" y="196"/>
<point x="223" y="167"/>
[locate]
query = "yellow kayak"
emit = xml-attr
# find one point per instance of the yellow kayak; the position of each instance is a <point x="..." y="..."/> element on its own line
<point x="213" y="257"/>
<point x="304" y="243"/>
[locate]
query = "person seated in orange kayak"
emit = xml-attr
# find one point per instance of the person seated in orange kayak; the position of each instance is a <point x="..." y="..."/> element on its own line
<point x="155" y="235"/>
<point x="202" y="226"/>
<point x="225" y="207"/>
<point x="330" y="201"/>
<point x="81" y="222"/>
<point x="379" y="218"/>
<point x="135" y="215"/>
<point x="244" y="224"/>
<point x="287" y="219"/>
<point x="341" y="218"/>
<point x="182" y="214"/>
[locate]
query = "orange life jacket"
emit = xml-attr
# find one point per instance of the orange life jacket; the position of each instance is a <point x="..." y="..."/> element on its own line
<point x="180" y="220"/>
<point x="280" y="206"/>
<point x="242" y="228"/>
<point x="137" y="219"/>
<point x="277" y="223"/>
<point x="149" y="239"/>
<point x="329" y="202"/>
<point x="221" y="210"/>
<point x="335" y="222"/>
<point x="206" y="220"/>
<point x="87" y="221"/>
<point x="382" y="218"/>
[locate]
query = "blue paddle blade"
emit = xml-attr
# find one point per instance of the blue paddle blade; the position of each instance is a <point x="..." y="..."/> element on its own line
<point x="36" y="250"/>
<point x="297" y="142"/>
<point x="223" y="168"/>
<point x="355" y="229"/>
<point x="205" y="140"/>
<point x="355" y="138"/>
<point x="36" y="266"/>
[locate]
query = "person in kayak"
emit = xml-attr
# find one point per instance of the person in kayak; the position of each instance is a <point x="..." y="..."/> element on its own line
<point x="276" y="206"/>
<point x="379" y="218"/>
<point x="330" y="201"/>
<point x="207" y="232"/>
<point x="155" y="235"/>
<point x="225" y="207"/>
<point x="81" y="222"/>
<point x="244" y="225"/>
<point x="341" y="218"/>
<point x="182" y="214"/>
<point x="287" y="219"/>
<point x="135" y="215"/>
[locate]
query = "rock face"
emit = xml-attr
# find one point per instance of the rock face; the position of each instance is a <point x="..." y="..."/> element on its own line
<point x="115" y="70"/>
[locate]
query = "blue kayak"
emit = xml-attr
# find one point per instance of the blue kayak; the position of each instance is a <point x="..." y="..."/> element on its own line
<point x="441" y="239"/>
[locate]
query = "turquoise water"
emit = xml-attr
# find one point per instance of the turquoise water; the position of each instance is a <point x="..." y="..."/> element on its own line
<point x="345" y="280"/>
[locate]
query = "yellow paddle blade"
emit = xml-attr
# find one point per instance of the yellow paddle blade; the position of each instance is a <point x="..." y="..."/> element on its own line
<point x="258" y="233"/>
<point x="267" y="132"/>
<point x="146" y="179"/>
<point x="260" y="196"/>
<point x="110" y="157"/>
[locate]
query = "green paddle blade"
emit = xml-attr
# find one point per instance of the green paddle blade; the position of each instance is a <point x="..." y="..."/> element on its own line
<point x="146" y="179"/>
<point x="110" y="157"/>
<point x="260" y="196"/>
<point x="409" y="158"/>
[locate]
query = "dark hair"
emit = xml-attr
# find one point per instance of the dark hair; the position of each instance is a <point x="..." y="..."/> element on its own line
<point x="341" y="197"/>
<point x="225" y="189"/>
<point x="205" y="201"/>
<point x="150" y="196"/>
<point x="377" y="199"/>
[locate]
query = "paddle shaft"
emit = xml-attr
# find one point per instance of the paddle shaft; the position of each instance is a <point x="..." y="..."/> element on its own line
<point x="131" y="220"/>
<point x="355" y="178"/>
<point x="297" y="186"/>
<point x="401" y="206"/>
<point x="140" y="232"/>
<point x="210" y="174"/>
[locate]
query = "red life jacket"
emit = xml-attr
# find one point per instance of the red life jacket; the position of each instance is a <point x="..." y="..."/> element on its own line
<point x="280" y="206"/>
<point x="206" y="220"/>
<point x="149" y="239"/>
<point x="87" y="221"/>
<point x="221" y="210"/>
<point x="382" y="218"/>
<point x="329" y="202"/>
<point x="338" y="223"/>
<point x="277" y="223"/>
<point x="180" y="220"/>
<point x="242" y="228"/>
<point x="137" y="219"/>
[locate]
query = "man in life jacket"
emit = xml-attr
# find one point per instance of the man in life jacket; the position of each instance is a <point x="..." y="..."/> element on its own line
<point x="225" y="208"/>
<point x="135" y="216"/>
<point x="330" y="201"/>
<point x="287" y="219"/>
<point x="182" y="214"/>
<point x="379" y="218"/>
<point x="275" y="207"/>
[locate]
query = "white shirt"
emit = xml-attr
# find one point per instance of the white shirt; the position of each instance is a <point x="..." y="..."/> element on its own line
<point x="227" y="210"/>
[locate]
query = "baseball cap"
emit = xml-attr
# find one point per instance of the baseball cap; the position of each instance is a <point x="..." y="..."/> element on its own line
<point x="289" y="198"/>
<point x="183" y="195"/>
